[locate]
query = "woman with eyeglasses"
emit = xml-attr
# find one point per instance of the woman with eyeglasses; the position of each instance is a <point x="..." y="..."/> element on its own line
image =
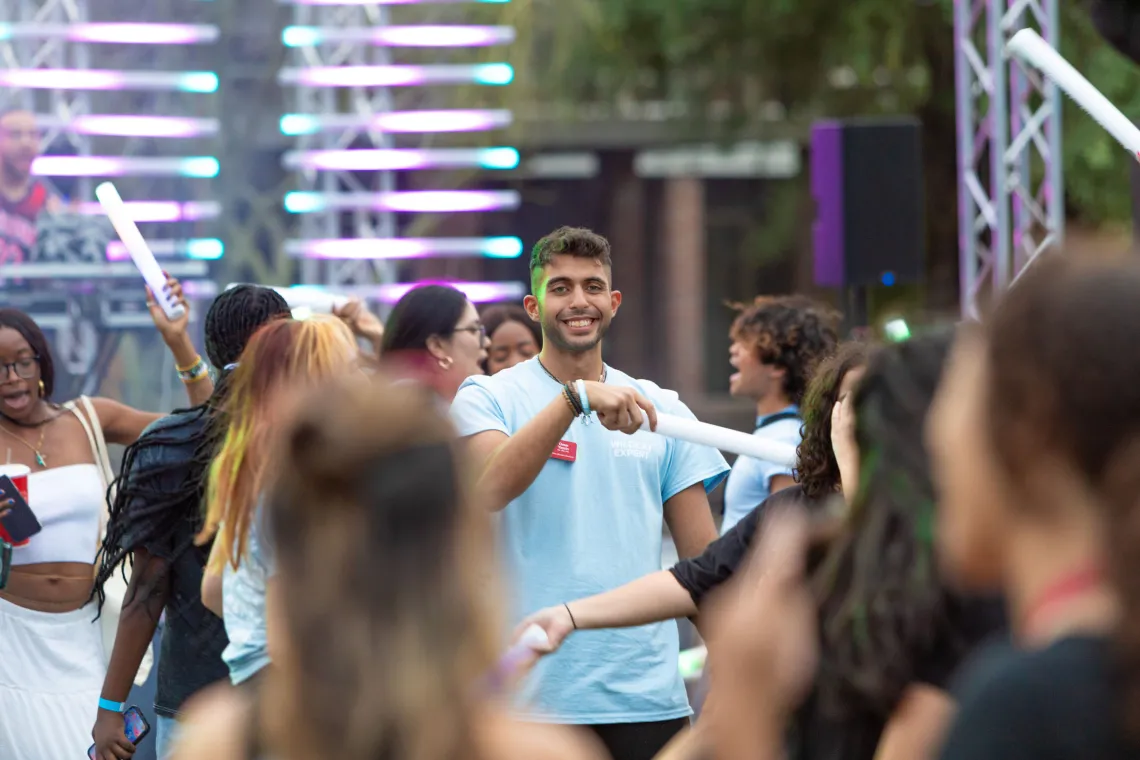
<point x="434" y="336"/>
<point x="53" y="662"/>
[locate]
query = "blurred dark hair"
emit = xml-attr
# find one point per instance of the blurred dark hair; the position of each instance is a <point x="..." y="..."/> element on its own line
<point x="793" y="332"/>
<point x="424" y="311"/>
<point x="394" y="677"/>
<point x="1063" y="392"/>
<point x="567" y="241"/>
<point x="27" y="327"/>
<point x="817" y="472"/>
<point x="881" y="596"/>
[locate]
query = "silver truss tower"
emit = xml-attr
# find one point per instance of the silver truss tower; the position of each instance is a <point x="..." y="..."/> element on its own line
<point x="90" y="306"/>
<point x="357" y="102"/>
<point x="1010" y="183"/>
<point x="1010" y="190"/>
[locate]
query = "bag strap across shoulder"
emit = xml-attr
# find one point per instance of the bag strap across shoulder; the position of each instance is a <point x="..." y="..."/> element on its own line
<point x="778" y="417"/>
<point x="84" y="411"/>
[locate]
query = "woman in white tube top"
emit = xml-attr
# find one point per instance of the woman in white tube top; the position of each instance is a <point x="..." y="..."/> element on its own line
<point x="51" y="649"/>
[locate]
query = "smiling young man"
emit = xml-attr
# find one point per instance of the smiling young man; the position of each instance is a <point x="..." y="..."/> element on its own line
<point x="583" y="494"/>
<point x="776" y="343"/>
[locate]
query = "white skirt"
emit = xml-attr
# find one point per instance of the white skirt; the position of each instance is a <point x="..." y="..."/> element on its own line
<point x="51" y="674"/>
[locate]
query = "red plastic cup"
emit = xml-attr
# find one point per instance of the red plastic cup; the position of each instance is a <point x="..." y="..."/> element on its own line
<point x="18" y="473"/>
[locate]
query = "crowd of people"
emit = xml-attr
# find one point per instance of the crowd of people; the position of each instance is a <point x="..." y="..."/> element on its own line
<point x="353" y="522"/>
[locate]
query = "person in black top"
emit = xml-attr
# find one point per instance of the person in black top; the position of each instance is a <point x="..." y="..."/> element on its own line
<point x="155" y="517"/>
<point x="679" y="591"/>
<point x="846" y="652"/>
<point x="1035" y="437"/>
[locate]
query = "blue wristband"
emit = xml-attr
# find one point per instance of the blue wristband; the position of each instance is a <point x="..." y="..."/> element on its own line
<point x="109" y="706"/>
<point x="580" y="386"/>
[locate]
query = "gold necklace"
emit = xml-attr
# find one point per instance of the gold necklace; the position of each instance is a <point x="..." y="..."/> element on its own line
<point x="35" y="449"/>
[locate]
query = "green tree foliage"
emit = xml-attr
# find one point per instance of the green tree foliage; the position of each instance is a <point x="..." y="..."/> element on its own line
<point x="1096" y="167"/>
<point x="727" y="59"/>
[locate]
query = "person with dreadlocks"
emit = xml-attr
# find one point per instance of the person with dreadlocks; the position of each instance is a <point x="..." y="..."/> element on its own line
<point x="844" y="648"/>
<point x="281" y="358"/>
<point x="155" y="518"/>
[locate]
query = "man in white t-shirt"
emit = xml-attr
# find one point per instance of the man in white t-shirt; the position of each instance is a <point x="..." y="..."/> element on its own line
<point x="776" y="343"/>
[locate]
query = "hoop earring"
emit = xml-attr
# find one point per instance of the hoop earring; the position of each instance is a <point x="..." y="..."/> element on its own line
<point x="41" y="388"/>
<point x="446" y="362"/>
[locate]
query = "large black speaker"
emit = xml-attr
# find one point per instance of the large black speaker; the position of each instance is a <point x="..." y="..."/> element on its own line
<point x="867" y="182"/>
<point x="1118" y="21"/>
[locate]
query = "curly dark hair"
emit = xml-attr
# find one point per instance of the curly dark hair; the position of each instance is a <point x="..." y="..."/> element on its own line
<point x="817" y="472"/>
<point x="882" y="600"/>
<point x="794" y="332"/>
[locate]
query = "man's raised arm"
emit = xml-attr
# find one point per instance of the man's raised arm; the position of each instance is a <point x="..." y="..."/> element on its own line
<point x="508" y="464"/>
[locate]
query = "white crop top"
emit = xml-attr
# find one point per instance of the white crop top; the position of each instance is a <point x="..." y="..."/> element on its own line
<point x="68" y="502"/>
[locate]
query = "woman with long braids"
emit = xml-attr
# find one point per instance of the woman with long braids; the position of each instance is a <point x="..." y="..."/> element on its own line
<point x="54" y="658"/>
<point x="156" y="515"/>
<point x="282" y="358"/>
<point x="385" y="628"/>
<point x="847" y="651"/>
<point x="682" y="590"/>
<point x="1036" y="436"/>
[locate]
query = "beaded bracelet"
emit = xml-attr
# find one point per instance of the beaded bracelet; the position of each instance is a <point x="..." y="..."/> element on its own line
<point x="575" y="408"/>
<point x="195" y="372"/>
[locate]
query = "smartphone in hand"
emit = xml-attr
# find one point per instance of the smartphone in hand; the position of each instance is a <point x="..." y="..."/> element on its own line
<point x="135" y="728"/>
<point x="19" y="520"/>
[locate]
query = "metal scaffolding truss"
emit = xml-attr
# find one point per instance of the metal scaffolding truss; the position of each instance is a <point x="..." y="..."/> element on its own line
<point x="357" y="132"/>
<point x="1010" y="183"/>
<point x="58" y="62"/>
<point x="57" y="53"/>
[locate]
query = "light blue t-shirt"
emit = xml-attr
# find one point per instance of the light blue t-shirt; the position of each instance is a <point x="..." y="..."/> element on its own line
<point x="243" y="605"/>
<point x="589" y="526"/>
<point x="749" y="483"/>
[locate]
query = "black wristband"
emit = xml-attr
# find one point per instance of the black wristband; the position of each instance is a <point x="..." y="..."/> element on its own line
<point x="573" y="622"/>
<point x="575" y="402"/>
<point x="569" y="402"/>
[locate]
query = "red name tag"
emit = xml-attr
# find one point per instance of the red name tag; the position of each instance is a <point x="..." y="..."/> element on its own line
<point x="566" y="451"/>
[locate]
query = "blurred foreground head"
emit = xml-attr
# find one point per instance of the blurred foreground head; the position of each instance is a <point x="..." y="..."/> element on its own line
<point x="1037" y="441"/>
<point x="387" y="609"/>
<point x="1039" y="419"/>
